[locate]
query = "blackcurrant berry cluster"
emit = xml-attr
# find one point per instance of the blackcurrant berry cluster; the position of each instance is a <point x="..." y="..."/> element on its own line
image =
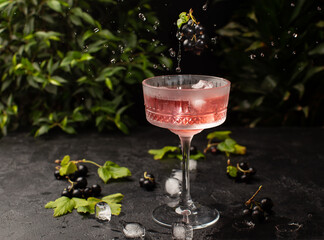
<point x="78" y="187"/>
<point x="81" y="172"/>
<point x="242" y="172"/>
<point x="258" y="211"/>
<point x="192" y="34"/>
<point x="147" y="181"/>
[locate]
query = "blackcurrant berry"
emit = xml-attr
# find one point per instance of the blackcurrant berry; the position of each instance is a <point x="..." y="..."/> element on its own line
<point x="266" y="204"/>
<point x="57" y="175"/>
<point x="188" y="31"/>
<point x="148" y="185"/>
<point x="77" y="193"/>
<point x="96" y="190"/>
<point x="247" y="212"/>
<point x="199" y="29"/>
<point x="74" y="176"/>
<point x="257" y="216"/>
<point x="83" y="170"/>
<point x="202" y="37"/>
<point x="188" y="45"/>
<point x="66" y="193"/>
<point x="141" y="181"/>
<point x="87" y="192"/>
<point x="252" y="171"/>
<point x="244" y="165"/>
<point x="193" y="150"/>
<point x="200" y="44"/>
<point x="81" y="182"/>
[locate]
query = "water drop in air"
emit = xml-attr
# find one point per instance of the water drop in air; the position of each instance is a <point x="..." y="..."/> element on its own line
<point x="106" y="45"/>
<point x="155" y="66"/>
<point x="252" y="56"/>
<point x="113" y="61"/>
<point x="142" y="17"/>
<point x="213" y="40"/>
<point x="276" y="56"/>
<point x="205" y="6"/>
<point x="294" y="52"/>
<point x="319" y="8"/>
<point x="96" y="30"/>
<point x="295" y="35"/>
<point x="272" y="44"/>
<point x="262" y="54"/>
<point x="292" y="4"/>
<point x="178" y="70"/>
<point x="172" y="52"/>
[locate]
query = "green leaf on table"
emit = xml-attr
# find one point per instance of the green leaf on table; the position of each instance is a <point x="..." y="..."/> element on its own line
<point x="232" y="171"/>
<point x="160" y="153"/>
<point x="239" y="149"/>
<point x="227" y="145"/>
<point x="67" y="167"/>
<point x="220" y="135"/>
<point x="112" y="170"/>
<point x="62" y="206"/>
<point x="197" y="156"/>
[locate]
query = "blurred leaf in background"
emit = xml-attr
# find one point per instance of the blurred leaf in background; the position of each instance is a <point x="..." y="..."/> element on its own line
<point x="273" y="53"/>
<point x="66" y="64"/>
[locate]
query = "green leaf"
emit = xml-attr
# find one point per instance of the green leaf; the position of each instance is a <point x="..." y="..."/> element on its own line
<point x="239" y="149"/>
<point x="67" y="169"/>
<point x="227" y="145"/>
<point x="160" y="153"/>
<point x="221" y="135"/>
<point x="317" y="50"/>
<point x="62" y="205"/>
<point x="183" y="18"/>
<point x="197" y="156"/>
<point x="79" y="202"/>
<point x="112" y="170"/>
<point x="113" y="201"/>
<point x="65" y="160"/>
<point x="55" y="5"/>
<point x="42" y="130"/>
<point x="232" y="171"/>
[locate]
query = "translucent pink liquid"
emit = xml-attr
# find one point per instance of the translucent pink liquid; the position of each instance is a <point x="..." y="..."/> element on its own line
<point x="188" y="114"/>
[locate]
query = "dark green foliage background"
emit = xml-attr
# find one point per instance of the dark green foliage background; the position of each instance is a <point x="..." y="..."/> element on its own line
<point x="66" y="63"/>
<point x="272" y="52"/>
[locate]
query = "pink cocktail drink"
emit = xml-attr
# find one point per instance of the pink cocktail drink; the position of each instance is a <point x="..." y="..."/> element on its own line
<point x="186" y="104"/>
<point x="187" y="108"/>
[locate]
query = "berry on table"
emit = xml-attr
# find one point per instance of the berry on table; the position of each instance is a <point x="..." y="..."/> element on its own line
<point x="81" y="182"/>
<point x="96" y="190"/>
<point x="66" y="193"/>
<point x="77" y="193"/>
<point x="57" y="175"/>
<point x="83" y="170"/>
<point x="147" y="181"/>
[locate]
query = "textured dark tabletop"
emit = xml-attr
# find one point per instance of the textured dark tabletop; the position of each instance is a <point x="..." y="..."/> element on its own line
<point x="289" y="163"/>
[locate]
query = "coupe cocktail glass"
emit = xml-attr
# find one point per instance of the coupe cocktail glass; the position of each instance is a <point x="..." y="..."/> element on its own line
<point x="186" y="104"/>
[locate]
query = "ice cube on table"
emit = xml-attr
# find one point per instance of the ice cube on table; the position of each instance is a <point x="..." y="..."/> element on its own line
<point x="173" y="187"/>
<point x="103" y="211"/>
<point x="134" y="230"/>
<point x="192" y="164"/>
<point x="182" y="231"/>
<point x="202" y="84"/>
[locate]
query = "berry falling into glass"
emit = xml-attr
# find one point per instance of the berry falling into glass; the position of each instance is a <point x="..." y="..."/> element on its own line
<point x="186" y="104"/>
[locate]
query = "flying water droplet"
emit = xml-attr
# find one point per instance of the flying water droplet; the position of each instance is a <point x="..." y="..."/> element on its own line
<point x="262" y="54"/>
<point x="155" y="66"/>
<point x="292" y="4"/>
<point x="113" y="61"/>
<point x="276" y="56"/>
<point x="142" y="16"/>
<point x="85" y="48"/>
<point x="205" y="6"/>
<point x="106" y="45"/>
<point x="252" y="56"/>
<point x="294" y="52"/>
<point x="113" y="52"/>
<point x="172" y="52"/>
<point x="178" y="70"/>
<point x="319" y="8"/>
<point x="131" y="59"/>
<point x="155" y="27"/>
<point x="96" y="30"/>
<point x="272" y="43"/>
<point x="295" y="35"/>
<point x="213" y="40"/>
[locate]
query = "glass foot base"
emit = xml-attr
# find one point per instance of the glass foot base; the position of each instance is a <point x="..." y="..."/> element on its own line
<point x="199" y="218"/>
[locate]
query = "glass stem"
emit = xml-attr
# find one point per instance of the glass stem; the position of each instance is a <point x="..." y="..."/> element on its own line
<point x="185" y="199"/>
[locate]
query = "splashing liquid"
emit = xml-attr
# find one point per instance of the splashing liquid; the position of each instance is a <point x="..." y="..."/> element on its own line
<point x="178" y="69"/>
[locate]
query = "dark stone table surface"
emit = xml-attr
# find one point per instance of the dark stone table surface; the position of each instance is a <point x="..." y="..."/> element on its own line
<point x="289" y="163"/>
